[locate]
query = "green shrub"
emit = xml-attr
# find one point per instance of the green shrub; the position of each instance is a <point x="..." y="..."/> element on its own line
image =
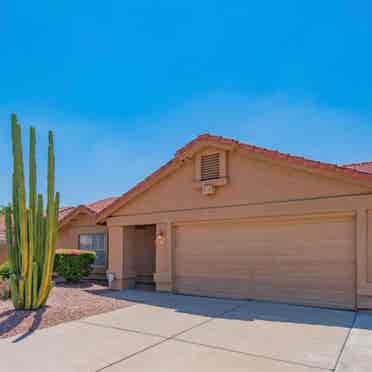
<point x="5" y="270"/>
<point x="4" y="289"/>
<point x="73" y="264"/>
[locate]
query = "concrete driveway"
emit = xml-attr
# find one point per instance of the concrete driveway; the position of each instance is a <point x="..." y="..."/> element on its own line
<point x="165" y="332"/>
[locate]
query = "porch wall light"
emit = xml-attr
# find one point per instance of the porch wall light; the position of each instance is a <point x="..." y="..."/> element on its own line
<point x="160" y="238"/>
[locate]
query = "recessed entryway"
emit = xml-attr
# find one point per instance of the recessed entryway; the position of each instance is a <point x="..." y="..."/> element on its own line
<point x="144" y="256"/>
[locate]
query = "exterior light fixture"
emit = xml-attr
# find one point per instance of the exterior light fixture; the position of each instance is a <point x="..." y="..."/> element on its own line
<point x="160" y="238"/>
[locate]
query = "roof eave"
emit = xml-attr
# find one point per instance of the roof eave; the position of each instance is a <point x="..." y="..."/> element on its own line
<point x="331" y="170"/>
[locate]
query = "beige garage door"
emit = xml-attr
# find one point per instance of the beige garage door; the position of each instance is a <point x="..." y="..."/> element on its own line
<point x="303" y="260"/>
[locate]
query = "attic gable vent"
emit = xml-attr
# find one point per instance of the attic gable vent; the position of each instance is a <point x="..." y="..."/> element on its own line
<point x="210" y="166"/>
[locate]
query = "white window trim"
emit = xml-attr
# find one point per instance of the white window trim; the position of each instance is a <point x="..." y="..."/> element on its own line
<point x="104" y="249"/>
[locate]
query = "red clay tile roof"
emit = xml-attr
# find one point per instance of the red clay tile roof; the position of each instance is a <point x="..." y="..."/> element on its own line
<point x="365" y="166"/>
<point x="64" y="212"/>
<point x="271" y="154"/>
<point x="99" y="205"/>
<point x="95" y="208"/>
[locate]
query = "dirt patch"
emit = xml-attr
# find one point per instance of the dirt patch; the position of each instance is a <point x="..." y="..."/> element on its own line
<point x="65" y="303"/>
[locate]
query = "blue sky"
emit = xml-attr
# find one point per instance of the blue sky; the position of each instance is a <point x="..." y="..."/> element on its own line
<point x="124" y="84"/>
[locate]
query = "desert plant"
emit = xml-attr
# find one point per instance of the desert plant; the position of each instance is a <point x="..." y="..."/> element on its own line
<point x="31" y="233"/>
<point x="5" y="270"/>
<point x="4" y="289"/>
<point x="73" y="264"/>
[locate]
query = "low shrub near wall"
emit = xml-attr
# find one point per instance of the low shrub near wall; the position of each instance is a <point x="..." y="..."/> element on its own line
<point x="5" y="270"/>
<point x="4" y="280"/>
<point x="73" y="264"/>
<point x="4" y="289"/>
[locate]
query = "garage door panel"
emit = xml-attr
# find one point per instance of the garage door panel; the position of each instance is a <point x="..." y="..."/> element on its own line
<point x="216" y="287"/>
<point x="300" y="261"/>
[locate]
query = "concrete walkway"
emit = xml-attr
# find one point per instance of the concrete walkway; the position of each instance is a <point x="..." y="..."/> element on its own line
<point x="165" y="332"/>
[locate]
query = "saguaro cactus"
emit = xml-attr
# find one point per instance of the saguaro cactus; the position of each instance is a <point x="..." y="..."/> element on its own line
<point x="31" y="232"/>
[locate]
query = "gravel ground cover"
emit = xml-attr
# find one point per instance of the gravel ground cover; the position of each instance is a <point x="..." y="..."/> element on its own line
<point x="66" y="302"/>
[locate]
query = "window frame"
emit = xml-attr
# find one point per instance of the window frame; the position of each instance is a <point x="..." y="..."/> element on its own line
<point x="104" y="246"/>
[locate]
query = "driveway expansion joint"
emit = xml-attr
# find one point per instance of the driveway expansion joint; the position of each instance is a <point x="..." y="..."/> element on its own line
<point x="168" y="338"/>
<point x="122" y="329"/>
<point x="252" y="355"/>
<point x="175" y="337"/>
<point x="345" y="342"/>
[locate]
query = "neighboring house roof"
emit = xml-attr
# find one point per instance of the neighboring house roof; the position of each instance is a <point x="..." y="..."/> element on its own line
<point x="365" y="166"/>
<point x="67" y="213"/>
<point x="99" y="205"/>
<point x="64" y="211"/>
<point x="2" y="229"/>
<point x="207" y="139"/>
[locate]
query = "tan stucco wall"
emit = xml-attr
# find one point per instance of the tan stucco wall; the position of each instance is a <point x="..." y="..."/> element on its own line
<point x="116" y="256"/>
<point x="249" y="181"/>
<point x="68" y="235"/>
<point x="256" y="190"/>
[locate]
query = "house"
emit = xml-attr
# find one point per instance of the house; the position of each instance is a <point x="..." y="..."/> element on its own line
<point x="77" y="229"/>
<point x="228" y="219"/>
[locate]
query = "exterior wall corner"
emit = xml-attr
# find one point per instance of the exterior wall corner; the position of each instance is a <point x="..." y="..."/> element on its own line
<point x="363" y="258"/>
<point x="163" y="276"/>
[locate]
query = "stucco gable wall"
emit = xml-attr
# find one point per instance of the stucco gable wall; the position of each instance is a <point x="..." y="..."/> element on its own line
<point x="83" y="219"/>
<point x="249" y="181"/>
<point x="83" y="223"/>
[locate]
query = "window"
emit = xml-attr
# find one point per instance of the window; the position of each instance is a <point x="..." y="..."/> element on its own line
<point x="210" y="166"/>
<point x="96" y="243"/>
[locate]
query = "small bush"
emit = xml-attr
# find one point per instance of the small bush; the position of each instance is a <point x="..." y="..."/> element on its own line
<point x="73" y="264"/>
<point x="4" y="289"/>
<point x="5" y="270"/>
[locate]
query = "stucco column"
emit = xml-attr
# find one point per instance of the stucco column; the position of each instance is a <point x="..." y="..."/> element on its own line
<point x="120" y="258"/>
<point x="115" y="254"/>
<point x="364" y="284"/>
<point x="163" y="276"/>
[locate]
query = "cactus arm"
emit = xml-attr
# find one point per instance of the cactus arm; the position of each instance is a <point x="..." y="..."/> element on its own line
<point x="21" y="292"/>
<point x="32" y="197"/>
<point x="16" y="235"/>
<point x="9" y="238"/>
<point x="49" y="247"/>
<point x="39" y="232"/>
<point x="21" y="195"/>
<point x="55" y="225"/>
<point x="29" y="281"/>
<point x="31" y="215"/>
<point x="35" y="284"/>
<point x="14" y="290"/>
<point x="32" y="174"/>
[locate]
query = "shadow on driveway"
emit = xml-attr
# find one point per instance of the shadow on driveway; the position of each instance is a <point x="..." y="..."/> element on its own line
<point x="246" y="310"/>
<point x="12" y="318"/>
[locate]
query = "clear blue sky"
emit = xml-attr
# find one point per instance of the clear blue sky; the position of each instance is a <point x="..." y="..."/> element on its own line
<point x="123" y="84"/>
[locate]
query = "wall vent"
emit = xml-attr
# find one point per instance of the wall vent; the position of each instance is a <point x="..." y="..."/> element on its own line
<point x="208" y="189"/>
<point x="210" y="166"/>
